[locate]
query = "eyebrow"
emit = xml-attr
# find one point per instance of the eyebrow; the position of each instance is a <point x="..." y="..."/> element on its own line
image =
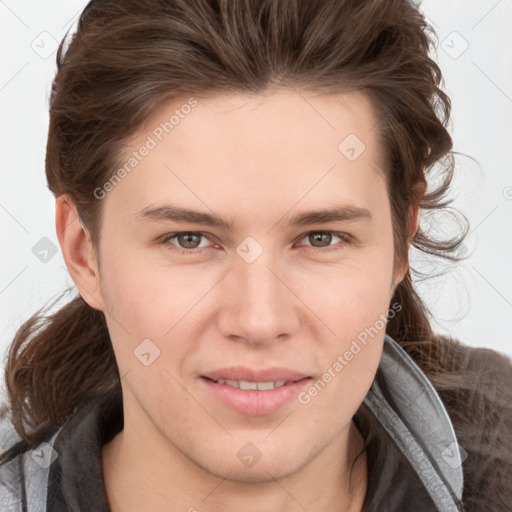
<point x="185" y="215"/>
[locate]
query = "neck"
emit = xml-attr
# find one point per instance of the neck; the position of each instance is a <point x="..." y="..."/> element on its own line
<point x="324" y="482"/>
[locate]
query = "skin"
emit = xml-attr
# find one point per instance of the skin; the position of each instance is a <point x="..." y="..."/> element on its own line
<point x="255" y="160"/>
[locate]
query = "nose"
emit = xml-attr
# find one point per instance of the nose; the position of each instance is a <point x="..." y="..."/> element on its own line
<point x="260" y="306"/>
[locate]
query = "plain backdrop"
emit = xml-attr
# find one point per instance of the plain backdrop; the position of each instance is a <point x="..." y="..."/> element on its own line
<point x="471" y="301"/>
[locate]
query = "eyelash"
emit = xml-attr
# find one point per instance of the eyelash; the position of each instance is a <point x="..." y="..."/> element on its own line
<point x="346" y="239"/>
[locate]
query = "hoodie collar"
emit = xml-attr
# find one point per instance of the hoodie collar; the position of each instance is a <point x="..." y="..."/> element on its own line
<point x="417" y="421"/>
<point x="419" y="424"/>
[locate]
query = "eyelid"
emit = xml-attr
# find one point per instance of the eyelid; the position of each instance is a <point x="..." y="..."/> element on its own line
<point x="346" y="238"/>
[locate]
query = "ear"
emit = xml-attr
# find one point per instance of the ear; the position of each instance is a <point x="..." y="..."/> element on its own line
<point x="78" y="251"/>
<point x="418" y="192"/>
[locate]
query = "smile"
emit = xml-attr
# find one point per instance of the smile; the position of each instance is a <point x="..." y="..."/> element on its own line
<point x="255" y="398"/>
<point x="259" y="386"/>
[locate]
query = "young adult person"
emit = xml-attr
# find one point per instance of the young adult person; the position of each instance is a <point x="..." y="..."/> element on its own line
<point x="238" y="185"/>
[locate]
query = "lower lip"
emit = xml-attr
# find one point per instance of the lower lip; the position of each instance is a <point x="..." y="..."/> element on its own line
<point x="254" y="402"/>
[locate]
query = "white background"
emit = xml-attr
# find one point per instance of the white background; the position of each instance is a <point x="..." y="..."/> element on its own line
<point x="472" y="301"/>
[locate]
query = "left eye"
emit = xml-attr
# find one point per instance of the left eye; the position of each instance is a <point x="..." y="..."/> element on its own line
<point x="188" y="240"/>
<point x="325" y="236"/>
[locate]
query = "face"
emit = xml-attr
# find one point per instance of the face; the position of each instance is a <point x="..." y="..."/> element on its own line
<point x="253" y="288"/>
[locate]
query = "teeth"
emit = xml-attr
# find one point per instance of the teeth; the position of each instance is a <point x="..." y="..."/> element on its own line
<point x="244" y="384"/>
<point x="258" y="386"/>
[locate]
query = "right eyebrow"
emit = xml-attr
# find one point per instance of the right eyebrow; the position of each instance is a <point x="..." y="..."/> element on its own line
<point x="177" y="214"/>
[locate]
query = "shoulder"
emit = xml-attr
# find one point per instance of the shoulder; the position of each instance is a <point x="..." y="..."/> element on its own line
<point x="477" y="392"/>
<point x="11" y="471"/>
<point x="483" y="373"/>
<point x="24" y="470"/>
<point x="481" y="358"/>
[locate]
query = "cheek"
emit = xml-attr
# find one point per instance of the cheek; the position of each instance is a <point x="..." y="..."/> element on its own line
<point x="141" y="294"/>
<point x="336" y="395"/>
<point x="354" y="305"/>
<point x="351" y="297"/>
<point x="356" y="312"/>
<point x="143" y="304"/>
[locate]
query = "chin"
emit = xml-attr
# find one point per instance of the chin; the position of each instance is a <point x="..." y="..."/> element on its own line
<point x="266" y="469"/>
<point x="261" y="474"/>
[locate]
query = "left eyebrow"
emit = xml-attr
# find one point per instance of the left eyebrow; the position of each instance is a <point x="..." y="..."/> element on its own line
<point x="185" y="215"/>
<point x="338" y="213"/>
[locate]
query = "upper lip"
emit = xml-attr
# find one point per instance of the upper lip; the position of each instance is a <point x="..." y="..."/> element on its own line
<point x="251" y="375"/>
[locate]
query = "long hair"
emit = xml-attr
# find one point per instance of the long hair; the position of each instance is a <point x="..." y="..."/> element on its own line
<point x="129" y="57"/>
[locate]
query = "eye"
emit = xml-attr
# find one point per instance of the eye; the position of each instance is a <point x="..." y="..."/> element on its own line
<point x="190" y="241"/>
<point x="187" y="240"/>
<point x="325" y="238"/>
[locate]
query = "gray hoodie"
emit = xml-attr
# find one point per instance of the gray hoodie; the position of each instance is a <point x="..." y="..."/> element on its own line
<point x="65" y="473"/>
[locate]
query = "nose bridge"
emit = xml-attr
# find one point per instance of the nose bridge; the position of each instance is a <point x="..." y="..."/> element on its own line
<point x="253" y="267"/>
<point x="260" y="283"/>
<point x="261" y="307"/>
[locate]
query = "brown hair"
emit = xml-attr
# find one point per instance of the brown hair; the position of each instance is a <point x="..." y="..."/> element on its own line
<point x="128" y="57"/>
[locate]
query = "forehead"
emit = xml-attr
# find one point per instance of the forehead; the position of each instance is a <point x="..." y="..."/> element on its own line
<point x="252" y="144"/>
<point x="265" y="121"/>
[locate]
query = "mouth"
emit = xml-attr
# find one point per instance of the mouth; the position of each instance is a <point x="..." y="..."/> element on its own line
<point x="247" y="385"/>
<point x="255" y="397"/>
<point x="279" y="375"/>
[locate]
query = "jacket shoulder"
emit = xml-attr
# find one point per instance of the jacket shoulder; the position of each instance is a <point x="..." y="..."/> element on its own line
<point x="24" y="475"/>
<point x="478" y="397"/>
<point x="11" y="472"/>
